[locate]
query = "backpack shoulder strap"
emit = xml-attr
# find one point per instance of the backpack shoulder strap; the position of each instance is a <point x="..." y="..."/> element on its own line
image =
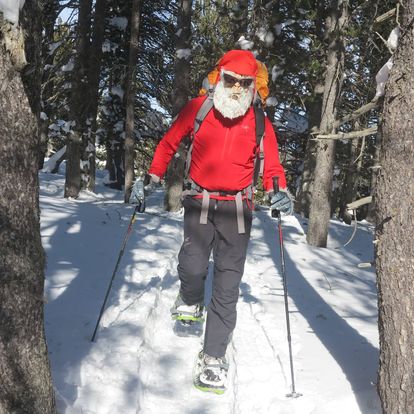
<point x="205" y="108"/>
<point x="260" y="130"/>
<point x="260" y="123"/>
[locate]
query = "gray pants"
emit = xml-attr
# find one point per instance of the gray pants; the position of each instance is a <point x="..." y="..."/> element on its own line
<point x="220" y="234"/>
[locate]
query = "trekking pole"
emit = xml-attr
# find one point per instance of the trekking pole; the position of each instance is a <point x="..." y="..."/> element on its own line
<point x="276" y="213"/>
<point x="128" y="232"/>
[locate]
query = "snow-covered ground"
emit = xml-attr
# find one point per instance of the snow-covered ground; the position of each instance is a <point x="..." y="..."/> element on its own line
<point x="139" y="365"/>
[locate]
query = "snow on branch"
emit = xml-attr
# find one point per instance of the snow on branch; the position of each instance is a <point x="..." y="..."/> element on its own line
<point x="13" y="41"/>
<point x="10" y="9"/>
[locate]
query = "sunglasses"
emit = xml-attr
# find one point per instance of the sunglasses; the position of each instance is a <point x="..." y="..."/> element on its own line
<point x="231" y="81"/>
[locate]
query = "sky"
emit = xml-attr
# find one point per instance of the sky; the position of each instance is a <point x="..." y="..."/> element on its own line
<point x="141" y="363"/>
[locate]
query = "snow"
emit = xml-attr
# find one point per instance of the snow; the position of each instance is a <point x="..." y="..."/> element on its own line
<point x="118" y="91"/>
<point x="271" y="101"/>
<point x="10" y="9"/>
<point x="276" y="72"/>
<point x="120" y="23"/>
<point x="183" y="54"/>
<point x="392" y="40"/>
<point x="278" y="28"/>
<point x="68" y="67"/>
<point x="245" y="44"/>
<point x="266" y="36"/>
<point x="139" y="365"/>
<point x="382" y="77"/>
<point x="50" y="164"/>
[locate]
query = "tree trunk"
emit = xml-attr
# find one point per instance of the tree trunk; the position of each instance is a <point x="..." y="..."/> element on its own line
<point x="304" y="197"/>
<point x="175" y="172"/>
<point x="394" y="197"/>
<point x="130" y="99"/>
<point x="320" y="210"/>
<point x="49" y="15"/>
<point x="352" y="173"/>
<point x="31" y="75"/>
<point x="314" y="109"/>
<point x="25" y="385"/>
<point x="78" y="103"/>
<point x="94" y="67"/>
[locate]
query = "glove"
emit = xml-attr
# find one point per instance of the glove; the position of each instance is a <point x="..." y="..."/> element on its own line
<point x="151" y="183"/>
<point x="137" y="195"/>
<point x="281" y="201"/>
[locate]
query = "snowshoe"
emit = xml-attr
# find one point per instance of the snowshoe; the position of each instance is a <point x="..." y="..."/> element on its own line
<point x="187" y="313"/>
<point x="210" y="373"/>
<point x="188" y="318"/>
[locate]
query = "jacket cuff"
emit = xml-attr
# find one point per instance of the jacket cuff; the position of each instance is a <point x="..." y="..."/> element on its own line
<point x="154" y="178"/>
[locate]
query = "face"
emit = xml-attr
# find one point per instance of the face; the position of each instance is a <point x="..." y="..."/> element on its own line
<point x="236" y="84"/>
<point x="233" y="94"/>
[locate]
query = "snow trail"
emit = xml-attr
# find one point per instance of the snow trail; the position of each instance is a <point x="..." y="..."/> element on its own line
<point x="139" y="365"/>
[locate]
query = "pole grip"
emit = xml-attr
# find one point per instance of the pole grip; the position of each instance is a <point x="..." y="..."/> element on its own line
<point x="275" y="179"/>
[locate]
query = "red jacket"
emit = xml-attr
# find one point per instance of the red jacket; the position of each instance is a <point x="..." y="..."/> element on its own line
<point x="223" y="150"/>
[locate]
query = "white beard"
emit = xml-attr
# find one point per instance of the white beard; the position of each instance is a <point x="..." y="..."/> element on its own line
<point x="232" y="105"/>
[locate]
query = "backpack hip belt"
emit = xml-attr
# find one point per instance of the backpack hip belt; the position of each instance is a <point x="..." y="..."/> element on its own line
<point x="193" y="189"/>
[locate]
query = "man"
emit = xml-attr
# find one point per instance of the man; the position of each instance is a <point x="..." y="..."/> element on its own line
<point x="218" y="202"/>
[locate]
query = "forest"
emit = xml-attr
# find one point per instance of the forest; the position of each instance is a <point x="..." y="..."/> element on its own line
<point x="95" y="84"/>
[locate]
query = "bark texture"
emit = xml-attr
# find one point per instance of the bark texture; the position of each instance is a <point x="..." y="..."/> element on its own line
<point x="25" y="385"/>
<point x="130" y="99"/>
<point x="393" y="198"/>
<point x="320" y="209"/>
<point x="175" y="172"/>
